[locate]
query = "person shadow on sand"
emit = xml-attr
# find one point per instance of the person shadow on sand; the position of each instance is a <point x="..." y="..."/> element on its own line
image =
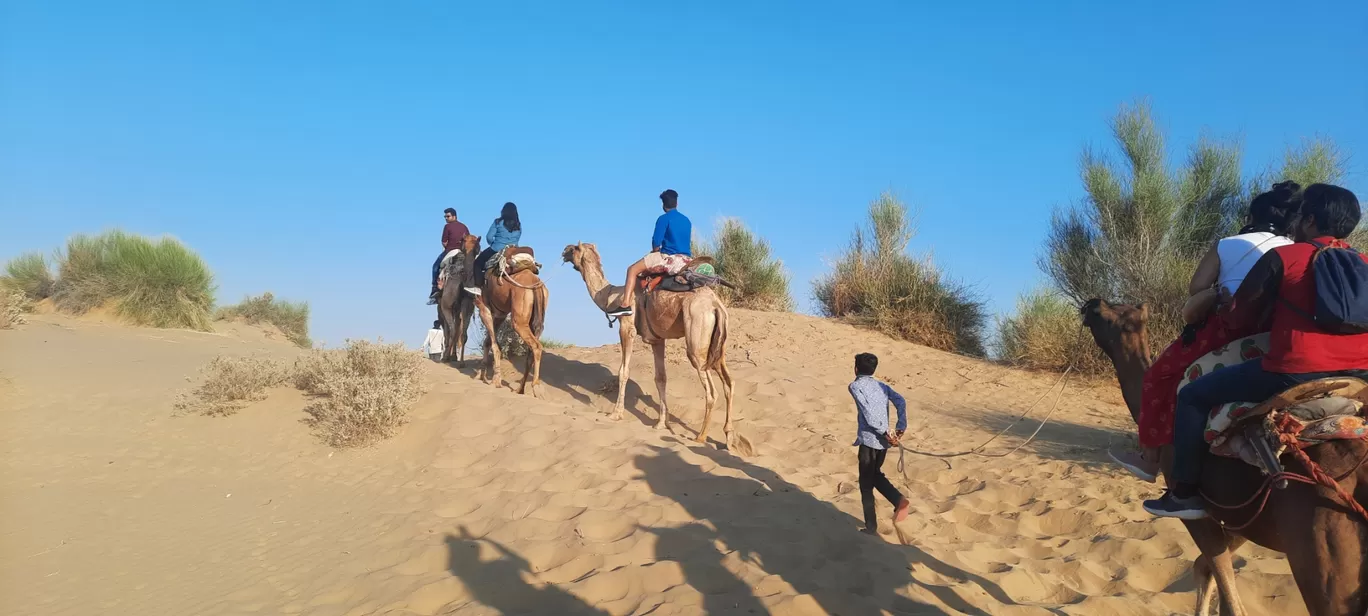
<point x="499" y="583"/>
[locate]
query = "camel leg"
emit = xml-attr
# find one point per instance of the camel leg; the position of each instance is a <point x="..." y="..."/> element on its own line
<point x="463" y="329"/>
<point x="1217" y="549"/>
<point x="491" y="350"/>
<point x="658" y="350"/>
<point x="534" y="354"/>
<point x="728" y="429"/>
<point x="1206" y="586"/>
<point x="709" y="398"/>
<point x="625" y="336"/>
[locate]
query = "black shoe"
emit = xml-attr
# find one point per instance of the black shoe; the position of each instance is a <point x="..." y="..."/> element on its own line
<point x="433" y="297"/>
<point x="1170" y="506"/>
<point x="620" y="312"/>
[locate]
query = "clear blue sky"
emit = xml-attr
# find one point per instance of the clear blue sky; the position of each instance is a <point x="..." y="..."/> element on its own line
<point x="308" y="148"/>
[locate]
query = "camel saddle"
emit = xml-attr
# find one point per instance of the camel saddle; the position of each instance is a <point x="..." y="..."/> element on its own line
<point x="452" y="266"/>
<point x="512" y="260"/>
<point x="700" y="272"/>
<point x="1315" y="412"/>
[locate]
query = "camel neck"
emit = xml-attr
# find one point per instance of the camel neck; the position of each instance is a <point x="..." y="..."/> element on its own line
<point x="595" y="281"/>
<point x="1130" y="375"/>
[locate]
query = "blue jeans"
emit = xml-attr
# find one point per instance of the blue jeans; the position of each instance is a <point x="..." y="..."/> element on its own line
<point x="1245" y="382"/>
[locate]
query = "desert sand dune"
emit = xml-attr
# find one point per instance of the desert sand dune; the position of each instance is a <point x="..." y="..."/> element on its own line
<point x="489" y="502"/>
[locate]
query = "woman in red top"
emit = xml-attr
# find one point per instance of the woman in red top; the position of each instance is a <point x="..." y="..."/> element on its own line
<point x="1278" y="292"/>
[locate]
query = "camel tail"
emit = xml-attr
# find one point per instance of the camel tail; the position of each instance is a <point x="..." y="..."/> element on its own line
<point x="538" y="320"/>
<point x="717" y="346"/>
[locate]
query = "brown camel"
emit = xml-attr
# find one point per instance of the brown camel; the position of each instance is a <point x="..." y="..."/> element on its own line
<point x="697" y="316"/>
<point x="455" y="306"/>
<point x="1324" y="541"/>
<point x="524" y="297"/>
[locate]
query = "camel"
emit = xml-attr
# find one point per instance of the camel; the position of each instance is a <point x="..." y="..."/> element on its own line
<point x="1324" y="541"/>
<point x="455" y="307"/>
<point x="524" y="297"/>
<point x="697" y="316"/>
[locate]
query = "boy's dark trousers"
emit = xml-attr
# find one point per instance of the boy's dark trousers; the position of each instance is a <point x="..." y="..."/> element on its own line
<point x="872" y="478"/>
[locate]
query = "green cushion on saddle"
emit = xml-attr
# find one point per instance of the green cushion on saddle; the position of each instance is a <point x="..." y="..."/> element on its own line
<point x="705" y="269"/>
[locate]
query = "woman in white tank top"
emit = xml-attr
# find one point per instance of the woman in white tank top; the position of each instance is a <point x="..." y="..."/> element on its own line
<point x="1222" y="270"/>
<point x="1224" y="267"/>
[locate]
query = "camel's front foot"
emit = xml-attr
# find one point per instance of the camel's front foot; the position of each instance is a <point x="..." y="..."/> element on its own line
<point x="702" y="438"/>
<point x="660" y="423"/>
<point x="616" y="414"/>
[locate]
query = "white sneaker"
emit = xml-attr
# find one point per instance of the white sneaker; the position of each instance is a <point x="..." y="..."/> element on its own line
<point x="474" y="291"/>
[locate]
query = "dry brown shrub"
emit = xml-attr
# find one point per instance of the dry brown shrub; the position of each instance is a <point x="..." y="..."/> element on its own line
<point x="363" y="391"/>
<point x="1046" y="333"/>
<point x="13" y="305"/>
<point x="229" y="383"/>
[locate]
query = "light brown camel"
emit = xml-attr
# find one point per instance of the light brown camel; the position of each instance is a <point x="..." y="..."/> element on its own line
<point x="1324" y="541"/>
<point x="522" y="296"/>
<point x="455" y="306"/>
<point x="697" y="316"/>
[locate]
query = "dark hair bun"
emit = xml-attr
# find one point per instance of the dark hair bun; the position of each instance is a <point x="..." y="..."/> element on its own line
<point x="1285" y="187"/>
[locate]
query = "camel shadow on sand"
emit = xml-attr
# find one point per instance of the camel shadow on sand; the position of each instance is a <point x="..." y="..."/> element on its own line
<point x="586" y="383"/>
<point x="499" y="582"/>
<point x="815" y="547"/>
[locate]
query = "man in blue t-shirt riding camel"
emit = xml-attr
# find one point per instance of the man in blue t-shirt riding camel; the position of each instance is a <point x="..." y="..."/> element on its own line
<point x="669" y="250"/>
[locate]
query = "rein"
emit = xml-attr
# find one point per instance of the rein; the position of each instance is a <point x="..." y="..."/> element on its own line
<point x="978" y="451"/>
<point x="1287" y="435"/>
<point x="505" y="276"/>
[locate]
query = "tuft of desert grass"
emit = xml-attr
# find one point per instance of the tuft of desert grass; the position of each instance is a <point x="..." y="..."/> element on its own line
<point x="291" y="318"/>
<point x="13" y="305"/>
<point x="157" y="283"/>
<point x="876" y="284"/>
<point x="745" y="260"/>
<point x="1047" y="334"/>
<point x="552" y="343"/>
<point x="29" y="274"/>
<point x="229" y="383"/>
<point x="362" y="392"/>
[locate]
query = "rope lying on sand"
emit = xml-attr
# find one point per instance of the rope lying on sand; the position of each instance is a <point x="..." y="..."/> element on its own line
<point x="978" y="450"/>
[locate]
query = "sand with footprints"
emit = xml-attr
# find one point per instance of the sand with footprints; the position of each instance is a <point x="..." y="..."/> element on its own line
<point x="488" y="502"/>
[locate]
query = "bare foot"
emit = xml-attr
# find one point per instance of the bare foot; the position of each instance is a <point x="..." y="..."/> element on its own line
<point x="900" y="513"/>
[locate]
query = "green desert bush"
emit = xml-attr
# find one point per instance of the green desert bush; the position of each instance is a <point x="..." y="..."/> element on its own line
<point x="1046" y="334"/>
<point x="153" y="282"/>
<point x="1144" y="224"/>
<point x="229" y="383"/>
<point x="362" y="392"/>
<point x="29" y="274"/>
<point x="744" y="259"/>
<point x="875" y="283"/>
<point x="291" y="318"/>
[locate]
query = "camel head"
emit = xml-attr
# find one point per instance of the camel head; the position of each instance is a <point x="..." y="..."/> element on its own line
<point x="582" y="255"/>
<point x="1119" y="329"/>
<point x="471" y="244"/>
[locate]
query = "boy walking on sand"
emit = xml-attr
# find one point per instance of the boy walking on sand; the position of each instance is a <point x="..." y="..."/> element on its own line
<point x="871" y="402"/>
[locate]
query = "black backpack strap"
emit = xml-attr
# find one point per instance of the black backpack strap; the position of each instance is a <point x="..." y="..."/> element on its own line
<point x="1310" y="317"/>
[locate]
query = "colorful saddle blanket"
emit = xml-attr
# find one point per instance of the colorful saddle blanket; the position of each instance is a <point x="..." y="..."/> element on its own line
<point x="1323" y="419"/>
